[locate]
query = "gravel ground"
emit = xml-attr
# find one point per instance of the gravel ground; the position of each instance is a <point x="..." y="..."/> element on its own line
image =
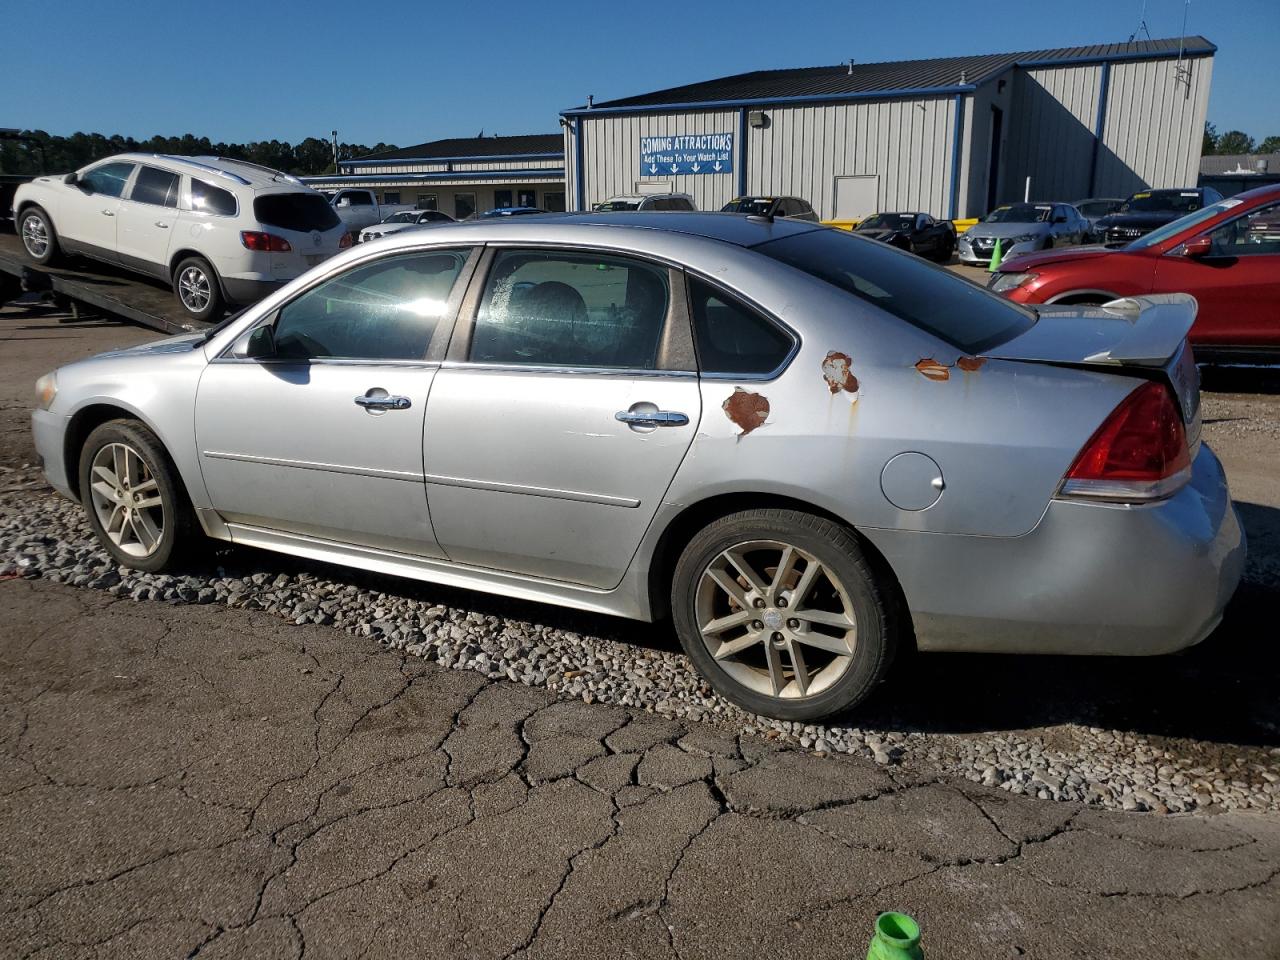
<point x="46" y="537"/>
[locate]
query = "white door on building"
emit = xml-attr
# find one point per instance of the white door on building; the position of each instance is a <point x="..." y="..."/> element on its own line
<point x="857" y="197"/>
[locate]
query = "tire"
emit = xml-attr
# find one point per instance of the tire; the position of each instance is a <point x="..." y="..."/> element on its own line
<point x="199" y="292"/>
<point x="758" y="671"/>
<point x="154" y="536"/>
<point x="39" y="239"/>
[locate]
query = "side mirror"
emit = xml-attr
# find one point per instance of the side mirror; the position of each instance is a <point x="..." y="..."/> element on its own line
<point x="1197" y="248"/>
<point x="71" y="178"/>
<point x="256" y="344"/>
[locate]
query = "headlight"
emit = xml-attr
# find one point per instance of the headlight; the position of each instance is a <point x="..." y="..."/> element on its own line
<point x="1003" y="282"/>
<point x="46" y="390"/>
<point x="1024" y="238"/>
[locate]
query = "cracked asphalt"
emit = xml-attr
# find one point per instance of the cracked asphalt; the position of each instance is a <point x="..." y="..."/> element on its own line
<point x="180" y="781"/>
<point x="194" y="781"/>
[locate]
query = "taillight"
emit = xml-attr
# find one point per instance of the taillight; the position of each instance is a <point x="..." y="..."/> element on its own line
<point x="346" y="241"/>
<point x="264" y="242"/>
<point x="1139" y="452"/>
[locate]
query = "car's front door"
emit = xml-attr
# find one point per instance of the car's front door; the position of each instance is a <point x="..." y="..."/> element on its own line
<point x="1237" y="284"/>
<point x="561" y="415"/>
<point x="88" y="217"/>
<point x="322" y="436"/>
<point x="145" y="220"/>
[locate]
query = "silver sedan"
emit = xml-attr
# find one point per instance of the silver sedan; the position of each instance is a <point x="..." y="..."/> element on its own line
<point x="807" y="449"/>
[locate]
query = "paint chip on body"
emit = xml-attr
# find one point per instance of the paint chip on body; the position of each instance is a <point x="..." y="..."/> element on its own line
<point x="970" y="364"/>
<point x="747" y="410"/>
<point x="837" y="370"/>
<point x="933" y="370"/>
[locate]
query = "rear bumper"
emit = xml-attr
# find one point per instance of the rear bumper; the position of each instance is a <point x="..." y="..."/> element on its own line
<point x="244" y="291"/>
<point x="1089" y="579"/>
<point x="49" y="433"/>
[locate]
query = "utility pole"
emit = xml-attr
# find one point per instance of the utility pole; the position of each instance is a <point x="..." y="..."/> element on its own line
<point x="335" y="152"/>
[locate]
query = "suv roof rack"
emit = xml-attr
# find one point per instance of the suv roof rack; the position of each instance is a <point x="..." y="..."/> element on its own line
<point x="204" y="166"/>
<point x="276" y="174"/>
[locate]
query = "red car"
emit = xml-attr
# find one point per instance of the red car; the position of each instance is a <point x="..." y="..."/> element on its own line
<point x="1227" y="255"/>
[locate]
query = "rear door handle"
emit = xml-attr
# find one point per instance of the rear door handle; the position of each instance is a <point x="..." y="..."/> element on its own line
<point x="384" y="403"/>
<point x="107" y="213"/>
<point x="162" y="225"/>
<point x="652" y="418"/>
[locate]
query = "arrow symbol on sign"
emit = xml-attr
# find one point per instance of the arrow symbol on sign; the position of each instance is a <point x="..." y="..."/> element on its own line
<point x="653" y="168"/>
<point x="717" y="167"/>
<point x="675" y="168"/>
<point x="696" y="168"/>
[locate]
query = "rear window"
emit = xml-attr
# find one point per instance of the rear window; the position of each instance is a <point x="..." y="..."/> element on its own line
<point x="925" y="296"/>
<point x="295" y="211"/>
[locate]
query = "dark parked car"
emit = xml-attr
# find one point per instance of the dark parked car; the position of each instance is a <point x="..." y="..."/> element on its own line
<point x="1094" y="210"/>
<point x="1226" y="255"/>
<point x="913" y="232"/>
<point x="1148" y="209"/>
<point x="510" y="212"/>
<point x="791" y="207"/>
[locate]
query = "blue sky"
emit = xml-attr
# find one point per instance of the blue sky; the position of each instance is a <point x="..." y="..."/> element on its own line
<point x="405" y="72"/>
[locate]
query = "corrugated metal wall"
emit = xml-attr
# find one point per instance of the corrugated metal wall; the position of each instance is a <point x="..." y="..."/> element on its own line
<point x="611" y="150"/>
<point x="434" y="166"/>
<point x="1154" y="127"/>
<point x="1051" y="121"/>
<point x="906" y="143"/>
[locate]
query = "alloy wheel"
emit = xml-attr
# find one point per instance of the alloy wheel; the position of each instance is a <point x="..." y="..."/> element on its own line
<point x="126" y="500"/>
<point x="35" y="236"/>
<point x="194" y="289"/>
<point x="776" y="619"/>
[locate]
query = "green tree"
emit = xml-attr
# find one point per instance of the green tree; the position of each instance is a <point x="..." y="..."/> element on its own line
<point x="1270" y="145"/>
<point x="1210" y="139"/>
<point x="1235" y="141"/>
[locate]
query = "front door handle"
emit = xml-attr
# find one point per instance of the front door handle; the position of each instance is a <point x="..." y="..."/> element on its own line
<point x="107" y="213"/>
<point x="384" y="402"/>
<point x="652" y="418"/>
<point x="162" y="225"/>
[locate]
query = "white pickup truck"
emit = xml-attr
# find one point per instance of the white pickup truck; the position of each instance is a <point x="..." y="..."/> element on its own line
<point x="360" y="208"/>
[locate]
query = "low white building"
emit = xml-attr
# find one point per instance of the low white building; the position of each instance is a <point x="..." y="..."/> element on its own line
<point x="462" y="176"/>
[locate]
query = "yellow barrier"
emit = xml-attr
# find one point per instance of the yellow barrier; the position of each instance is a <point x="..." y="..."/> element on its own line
<point x="961" y="225"/>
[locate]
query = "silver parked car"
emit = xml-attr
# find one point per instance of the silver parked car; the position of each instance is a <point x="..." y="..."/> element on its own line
<point x="1022" y="228"/>
<point x="809" y="449"/>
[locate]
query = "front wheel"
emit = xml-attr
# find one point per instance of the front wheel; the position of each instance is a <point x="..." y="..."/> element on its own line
<point x="782" y="613"/>
<point x="39" y="238"/>
<point x="134" y="497"/>
<point x="196" y="286"/>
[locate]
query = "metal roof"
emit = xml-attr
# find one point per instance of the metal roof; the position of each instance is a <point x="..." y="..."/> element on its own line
<point x="1223" y="163"/>
<point x="469" y="148"/>
<point x="937" y="75"/>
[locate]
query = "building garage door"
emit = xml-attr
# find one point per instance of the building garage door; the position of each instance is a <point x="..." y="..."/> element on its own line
<point x="857" y="197"/>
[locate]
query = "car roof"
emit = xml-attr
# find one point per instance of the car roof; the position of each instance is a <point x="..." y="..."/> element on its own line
<point x="228" y="171"/>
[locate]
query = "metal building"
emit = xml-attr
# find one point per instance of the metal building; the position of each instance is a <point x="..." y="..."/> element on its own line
<point x="462" y="176"/>
<point x="951" y="137"/>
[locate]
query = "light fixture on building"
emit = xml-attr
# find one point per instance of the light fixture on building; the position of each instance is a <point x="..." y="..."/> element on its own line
<point x="757" y="118"/>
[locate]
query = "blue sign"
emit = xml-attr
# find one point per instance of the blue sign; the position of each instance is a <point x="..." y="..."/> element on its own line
<point x="687" y="153"/>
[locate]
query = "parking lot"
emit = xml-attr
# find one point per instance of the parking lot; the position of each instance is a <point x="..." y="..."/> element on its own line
<point x="265" y="755"/>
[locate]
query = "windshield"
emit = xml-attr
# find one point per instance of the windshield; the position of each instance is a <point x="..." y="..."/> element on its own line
<point x="888" y="221"/>
<point x="925" y="296"/>
<point x="1097" y="208"/>
<point x="295" y="211"/>
<point x="1162" y="201"/>
<point x="757" y="206"/>
<point x="1182" y="223"/>
<point x="1019" y="213"/>
<point x="609" y="205"/>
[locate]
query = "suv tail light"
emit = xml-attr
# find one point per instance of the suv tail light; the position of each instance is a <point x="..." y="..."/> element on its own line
<point x="257" y="240"/>
<point x="1139" y="452"/>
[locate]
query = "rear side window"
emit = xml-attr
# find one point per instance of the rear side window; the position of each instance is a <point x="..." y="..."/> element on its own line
<point x="931" y="298"/>
<point x="157" y="187"/>
<point x="386" y="310"/>
<point x="358" y="198"/>
<point x="295" y="211"/>
<point x="732" y="338"/>
<point x="680" y="203"/>
<point x="206" y="198"/>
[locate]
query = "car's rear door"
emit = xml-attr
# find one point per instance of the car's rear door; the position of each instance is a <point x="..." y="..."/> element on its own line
<point x="323" y="437"/>
<point x="145" y="220"/>
<point x="1237" y="285"/>
<point x="566" y="405"/>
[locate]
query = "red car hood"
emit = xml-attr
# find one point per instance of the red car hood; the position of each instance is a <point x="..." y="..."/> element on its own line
<point x="1030" y="261"/>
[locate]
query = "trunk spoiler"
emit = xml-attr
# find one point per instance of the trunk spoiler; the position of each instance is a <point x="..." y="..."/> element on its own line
<point x="1141" y="331"/>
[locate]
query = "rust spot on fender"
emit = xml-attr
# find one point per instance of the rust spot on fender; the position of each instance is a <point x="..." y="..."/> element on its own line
<point x="837" y="370"/>
<point x="747" y="410"/>
<point x="933" y="370"/>
<point x="970" y="364"/>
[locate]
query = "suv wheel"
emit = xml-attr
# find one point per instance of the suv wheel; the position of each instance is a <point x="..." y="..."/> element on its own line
<point x="197" y="288"/>
<point x="38" y="236"/>
<point x="782" y="613"/>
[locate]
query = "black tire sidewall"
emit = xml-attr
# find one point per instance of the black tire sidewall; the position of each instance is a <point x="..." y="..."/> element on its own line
<point x="217" y="303"/>
<point x="173" y="507"/>
<point x="836" y="547"/>
<point x="51" y="253"/>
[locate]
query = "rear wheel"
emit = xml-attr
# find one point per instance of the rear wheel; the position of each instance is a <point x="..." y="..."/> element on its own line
<point x="135" y="500"/>
<point x="197" y="288"/>
<point x="39" y="238"/>
<point x="781" y="612"/>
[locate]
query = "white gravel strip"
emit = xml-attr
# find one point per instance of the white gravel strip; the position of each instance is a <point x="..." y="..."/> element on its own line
<point x="49" y="538"/>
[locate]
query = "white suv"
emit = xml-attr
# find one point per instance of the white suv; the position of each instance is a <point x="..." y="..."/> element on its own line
<point x="647" y="202"/>
<point x="220" y="231"/>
